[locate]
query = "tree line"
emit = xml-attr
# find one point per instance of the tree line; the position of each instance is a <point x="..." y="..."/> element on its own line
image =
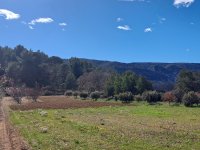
<point x="20" y="67"/>
<point x="24" y="72"/>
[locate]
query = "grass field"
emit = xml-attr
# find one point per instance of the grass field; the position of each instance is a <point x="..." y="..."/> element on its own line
<point x="142" y="126"/>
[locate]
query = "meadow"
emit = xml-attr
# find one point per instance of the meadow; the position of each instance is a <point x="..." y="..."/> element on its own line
<point x="138" y="126"/>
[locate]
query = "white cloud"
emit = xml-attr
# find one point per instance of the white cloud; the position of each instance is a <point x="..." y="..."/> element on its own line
<point x="63" y="24"/>
<point x="119" y="19"/>
<point x="162" y="20"/>
<point x="184" y="3"/>
<point x="31" y="27"/>
<point x="41" y="20"/>
<point x="148" y="30"/>
<point x="9" y="15"/>
<point x="125" y="28"/>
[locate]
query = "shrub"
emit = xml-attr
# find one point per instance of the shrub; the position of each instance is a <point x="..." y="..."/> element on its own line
<point x="68" y="93"/>
<point x="116" y="97"/>
<point x="190" y="98"/>
<point x="151" y="96"/>
<point x="126" y="97"/>
<point x="84" y="95"/>
<point x="95" y="95"/>
<point x="138" y="98"/>
<point x="179" y="95"/>
<point x="169" y="97"/>
<point x="75" y="94"/>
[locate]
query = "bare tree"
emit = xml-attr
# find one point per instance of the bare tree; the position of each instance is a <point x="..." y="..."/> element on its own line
<point x="33" y="93"/>
<point x="16" y="93"/>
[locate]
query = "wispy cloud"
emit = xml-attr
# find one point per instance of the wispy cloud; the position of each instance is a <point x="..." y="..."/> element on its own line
<point x="148" y="30"/>
<point x="119" y="19"/>
<point x="62" y="24"/>
<point x="184" y="3"/>
<point x="41" y="20"/>
<point x="9" y="15"/>
<point x="125" y="28"/>
<point x="31" y="27"/>
<point x="162" y="20"/>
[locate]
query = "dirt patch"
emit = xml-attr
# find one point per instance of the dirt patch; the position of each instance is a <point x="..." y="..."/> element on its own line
<point x="9" y="136"/>
<point x="4" y="138"/>
<point x="61" y="102"/>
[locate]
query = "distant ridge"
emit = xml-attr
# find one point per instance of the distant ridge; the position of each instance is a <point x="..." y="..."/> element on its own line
<point x="158" y="73"/>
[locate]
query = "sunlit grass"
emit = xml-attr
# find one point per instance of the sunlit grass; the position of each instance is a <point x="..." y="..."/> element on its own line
<point x="140" y="126"/>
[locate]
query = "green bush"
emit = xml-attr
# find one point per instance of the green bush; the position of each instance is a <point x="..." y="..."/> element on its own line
<point x="68" y="93"/>
<point x="126" y="97"/>
<point x="116" y="97"/>
<point x="151" y="96"/>
<point x="95" y="95"/>
<point x="83" y="95"/>
<point x="190" y="98"/>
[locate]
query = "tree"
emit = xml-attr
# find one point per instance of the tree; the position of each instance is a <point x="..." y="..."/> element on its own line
<point x="126" y="82"/>
<point x="143" y="85"/>
<point x="190" y="98"/>
<point x="83" y="95"/>
<point x="33" y="93"/>
<point x="68" y="93"/>
<point x="126" y="97"/>
<point x="169" y="97"/>
<point x="95" y="95"/>
<point x="70" y="82"/>
<point x="16" y="93"/>
<point x="94" y="80"/>
<point x="186" y="81"/>
<point x="151" y="96"/>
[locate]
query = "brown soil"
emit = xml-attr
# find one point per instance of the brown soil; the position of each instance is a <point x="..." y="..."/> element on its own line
<point x="4" y="136"/>
<point x="9" y="136"/>
<point x="61" y="102"/>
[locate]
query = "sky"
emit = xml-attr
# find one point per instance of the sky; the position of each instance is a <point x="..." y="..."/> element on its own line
<point x="114" y="30"/>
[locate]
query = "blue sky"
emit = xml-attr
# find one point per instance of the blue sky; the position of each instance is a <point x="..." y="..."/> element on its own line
<point x="116" y="30"/>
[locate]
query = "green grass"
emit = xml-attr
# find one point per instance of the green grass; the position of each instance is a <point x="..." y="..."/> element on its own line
<point x="120" y="128"/>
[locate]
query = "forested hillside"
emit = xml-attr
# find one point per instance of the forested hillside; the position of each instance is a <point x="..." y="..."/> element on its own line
<point x="28" y="68"/>
<point x="25" y="68"/>
<point x="162" y="75"/>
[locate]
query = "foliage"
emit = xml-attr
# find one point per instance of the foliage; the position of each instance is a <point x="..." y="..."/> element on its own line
<point x="138" y="98"/>
<point x="75" y="94"/>
<point x="126" y="97"/>
<point x="92" y="81"/>
<point x="95" y="95"/>
<point x="188" y="81"/>
<point x="83" y="95"/>
<point x="169" y="97"/>
<point x="127" y="82"/>
<point x="190" y="98"/>
<point x="151" y="96"/>
<point x="68" y="93"/>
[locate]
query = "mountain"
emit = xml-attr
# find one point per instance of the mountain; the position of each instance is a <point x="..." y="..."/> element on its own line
<point x="161" y="74"/>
